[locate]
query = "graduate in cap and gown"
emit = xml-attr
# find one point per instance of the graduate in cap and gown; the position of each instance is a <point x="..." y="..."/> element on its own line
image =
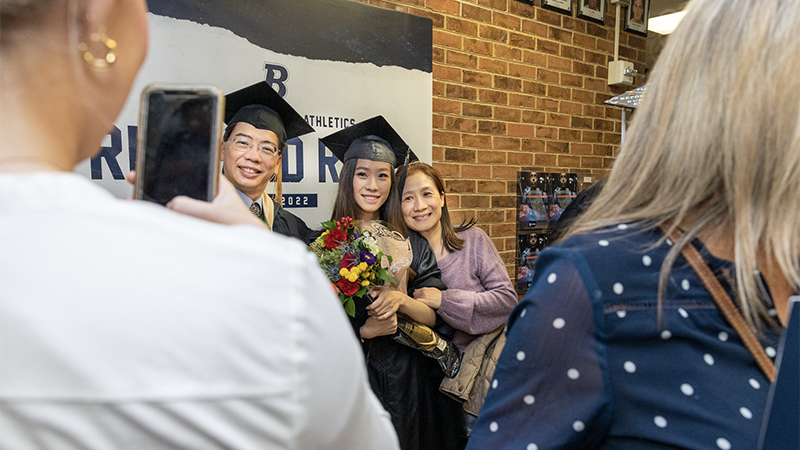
<point x="405" y="380"/>
<point x="259" y="123"/>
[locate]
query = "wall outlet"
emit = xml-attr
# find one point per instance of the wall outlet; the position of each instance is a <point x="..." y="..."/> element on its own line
<point x="620" y="73"/>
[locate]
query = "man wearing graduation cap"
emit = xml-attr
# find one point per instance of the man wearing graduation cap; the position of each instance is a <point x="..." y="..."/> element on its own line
<point x="259" y="122"/>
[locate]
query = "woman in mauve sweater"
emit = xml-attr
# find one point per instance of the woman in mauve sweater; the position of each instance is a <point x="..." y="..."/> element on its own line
<point x="479" y="296"/>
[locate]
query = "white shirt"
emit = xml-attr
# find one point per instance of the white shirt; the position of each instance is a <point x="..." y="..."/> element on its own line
<point x="125" y="325"/>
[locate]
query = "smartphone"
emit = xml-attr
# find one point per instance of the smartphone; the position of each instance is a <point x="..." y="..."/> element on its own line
<point x="180" y="129"/>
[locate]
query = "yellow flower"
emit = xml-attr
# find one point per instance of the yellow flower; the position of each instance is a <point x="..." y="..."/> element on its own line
<point x="344" y="272"/>
<point x="352" y="277"/>
<point x="362" y="266"/>
<point x="365" y="283"/>
<point x="372" y="276"/>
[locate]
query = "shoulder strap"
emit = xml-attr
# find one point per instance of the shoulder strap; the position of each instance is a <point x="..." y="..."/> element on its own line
<point x="725" y="305"/>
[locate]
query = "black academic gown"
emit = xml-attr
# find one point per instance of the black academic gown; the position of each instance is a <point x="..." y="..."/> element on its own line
<point x="407" y="382"/>
<point x="287" y="224"/>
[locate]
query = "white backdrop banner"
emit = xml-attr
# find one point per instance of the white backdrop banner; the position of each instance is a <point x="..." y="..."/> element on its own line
<point x="337" y="62"/>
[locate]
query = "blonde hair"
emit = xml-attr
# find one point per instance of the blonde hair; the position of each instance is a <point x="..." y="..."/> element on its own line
<point x="716" y="141"/>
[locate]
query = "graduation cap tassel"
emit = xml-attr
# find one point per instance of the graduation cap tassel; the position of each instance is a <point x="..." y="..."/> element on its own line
<point x="401" y="182"/>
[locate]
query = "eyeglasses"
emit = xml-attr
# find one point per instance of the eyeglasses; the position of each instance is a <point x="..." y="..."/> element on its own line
<point x="244" y="145"/>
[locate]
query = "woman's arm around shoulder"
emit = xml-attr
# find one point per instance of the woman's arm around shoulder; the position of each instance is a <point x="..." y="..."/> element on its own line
<point x="480" y="295"/>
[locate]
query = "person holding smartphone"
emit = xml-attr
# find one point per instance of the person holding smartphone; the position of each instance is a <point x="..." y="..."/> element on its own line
<point x="124" y="325"/>
<point x="259" y="123"/>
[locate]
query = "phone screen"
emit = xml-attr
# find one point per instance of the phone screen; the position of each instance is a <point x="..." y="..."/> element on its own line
<point x="179" y="145"/>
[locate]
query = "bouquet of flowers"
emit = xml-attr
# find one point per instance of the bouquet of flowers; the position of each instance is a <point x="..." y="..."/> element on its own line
<point x="351" y="260"/>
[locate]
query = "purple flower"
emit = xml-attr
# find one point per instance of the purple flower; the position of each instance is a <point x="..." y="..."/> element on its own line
<point x="355" y="235"/>
<point x="367" y="257"/>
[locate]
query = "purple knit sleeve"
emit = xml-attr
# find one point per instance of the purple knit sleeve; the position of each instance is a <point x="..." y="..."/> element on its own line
<point x="479" y="296"/>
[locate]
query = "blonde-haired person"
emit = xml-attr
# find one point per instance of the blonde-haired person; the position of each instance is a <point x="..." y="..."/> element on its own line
<point x="153" y="346"/>
<point x="619" y="344"/>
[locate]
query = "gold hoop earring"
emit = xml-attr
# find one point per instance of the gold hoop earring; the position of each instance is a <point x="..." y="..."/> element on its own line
<point x="111" y="47"/>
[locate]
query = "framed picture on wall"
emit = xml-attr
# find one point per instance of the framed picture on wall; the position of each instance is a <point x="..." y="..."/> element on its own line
<point x="530" y="2"/>
<point x="562" y="6"/>
<point x="636" y="17"/>
<point x="592" y="10"/>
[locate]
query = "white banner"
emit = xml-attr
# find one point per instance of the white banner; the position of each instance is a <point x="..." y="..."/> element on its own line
<point x="330" y="94"/>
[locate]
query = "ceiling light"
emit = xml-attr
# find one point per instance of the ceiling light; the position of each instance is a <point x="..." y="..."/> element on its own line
<point x="665" y="24"/>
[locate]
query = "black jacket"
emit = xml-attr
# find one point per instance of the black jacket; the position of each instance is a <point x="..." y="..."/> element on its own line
<point x="405" y="381"/>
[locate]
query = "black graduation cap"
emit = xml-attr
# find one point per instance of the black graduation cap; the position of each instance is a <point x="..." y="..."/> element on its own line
<point x="373" y="139"/>
<point x="262" y="107"/>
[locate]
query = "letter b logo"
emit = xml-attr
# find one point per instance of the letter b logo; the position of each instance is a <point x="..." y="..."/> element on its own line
<point x="276" y="77"/>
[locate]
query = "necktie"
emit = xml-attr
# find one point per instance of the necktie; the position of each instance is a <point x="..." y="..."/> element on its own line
<point x="255" y="208"/>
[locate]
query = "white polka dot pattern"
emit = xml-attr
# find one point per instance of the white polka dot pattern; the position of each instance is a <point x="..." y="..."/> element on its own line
<point x="528" y="399"/>
<point x="552" y="278"/>
<point x="532" y="446"/>
<point x="522" y="313"/>
<point x="493" y="427"/>
<point x="723" y="336"/>
<point x="602" y="243"/>
<point x="629" y="366"/>
<point x="666" y="334"/>
<point x="708" y="359"/>
<point x="685" y="284"/>
<point x="770" y="352"/>
<point x="559" y="323"/>
<point x="622" y="226"/>
<point x="520" y="356"/>
<point x="618" y="288"/>
<point x="683" y="313"/>
<point x="746" y="413"/>
<point x="755" y="384"/>
<point x="573" y="374"/>
<point x="646" y="260"/>
<point x="494" y="384"/>
<point x="723" y="444"/>
<point x="687" y="389"/>
<point x="621" y="314"/>
<point x="578" y="426"/>
<point x="660" y="422"/>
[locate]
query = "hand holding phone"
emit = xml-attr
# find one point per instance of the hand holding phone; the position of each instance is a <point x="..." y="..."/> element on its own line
<point x="180" y="130"/>
<point x="227" y="207"/>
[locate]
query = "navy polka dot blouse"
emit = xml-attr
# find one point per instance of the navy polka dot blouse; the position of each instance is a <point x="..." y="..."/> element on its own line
<point x="587" y="365"/>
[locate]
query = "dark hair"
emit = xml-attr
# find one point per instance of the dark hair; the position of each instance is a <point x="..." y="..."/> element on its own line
<point x="345" y="204"/>
<point x="449" y="237"/>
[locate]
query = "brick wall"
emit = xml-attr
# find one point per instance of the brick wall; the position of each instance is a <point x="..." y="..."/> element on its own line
<point x="516" y="86"/>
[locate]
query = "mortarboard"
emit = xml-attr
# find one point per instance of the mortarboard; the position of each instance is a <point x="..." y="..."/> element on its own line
<point x="373" y="139"/>
<point x="262" y="107"/>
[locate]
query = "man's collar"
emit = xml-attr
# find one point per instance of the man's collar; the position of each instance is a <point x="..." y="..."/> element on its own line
<point x="247" y="201"/>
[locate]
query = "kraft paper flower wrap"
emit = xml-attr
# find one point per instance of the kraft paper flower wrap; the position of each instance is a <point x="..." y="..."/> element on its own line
<point x="351" y="260"/>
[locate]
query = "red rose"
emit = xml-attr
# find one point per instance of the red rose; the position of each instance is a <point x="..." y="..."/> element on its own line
<point x="348" y="287"/>
<point x="348" y="260"/>
<point x="335" y="238"/>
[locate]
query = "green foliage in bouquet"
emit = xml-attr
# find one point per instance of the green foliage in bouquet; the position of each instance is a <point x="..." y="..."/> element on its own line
<point x="351" y="260"/>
